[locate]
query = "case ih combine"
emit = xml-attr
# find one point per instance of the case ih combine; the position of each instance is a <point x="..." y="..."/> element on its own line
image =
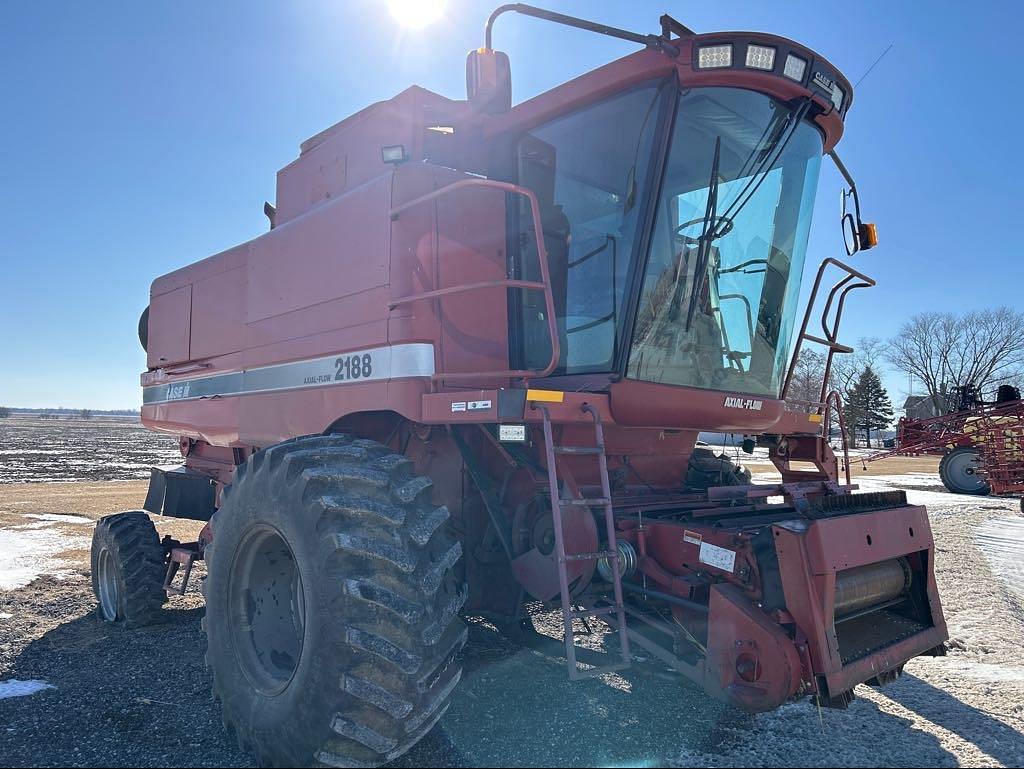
<point x="466" y="369"/>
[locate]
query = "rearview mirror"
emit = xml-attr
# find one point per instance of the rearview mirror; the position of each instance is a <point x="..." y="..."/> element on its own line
<point x="489" y="81"/>
<point x="857" y="235"/>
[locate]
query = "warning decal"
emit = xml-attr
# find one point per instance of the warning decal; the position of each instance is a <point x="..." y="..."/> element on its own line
<point x="716" y="556"/>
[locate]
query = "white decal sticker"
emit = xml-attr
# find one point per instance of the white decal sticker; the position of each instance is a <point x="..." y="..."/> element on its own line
<point x="512" y="433"/>
<point x="458" y="406"/>
<point x="751" y="404"/>
<point x="716" y="556"/>
<point x="479" y="405"/>
<point x="692" y="537"/>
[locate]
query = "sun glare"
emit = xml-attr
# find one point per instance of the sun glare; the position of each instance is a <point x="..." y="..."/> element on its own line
<point x="415" y="14"/>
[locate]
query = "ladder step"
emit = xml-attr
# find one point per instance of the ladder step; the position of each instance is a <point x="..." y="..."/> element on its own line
<point x="578" y="450"/>
<point x="586" y="502"/>
<point x="590" y="556"/>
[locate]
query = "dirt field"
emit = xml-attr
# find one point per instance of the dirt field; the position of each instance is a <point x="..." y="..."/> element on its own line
<point x="141" y="698"/>
<point x="62" y="449"/>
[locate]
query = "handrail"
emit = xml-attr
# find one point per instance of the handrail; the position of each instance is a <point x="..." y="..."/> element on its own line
<point x="853" y="279"/>
<point x="827" y="426"/>
<point x="543" y="285"/>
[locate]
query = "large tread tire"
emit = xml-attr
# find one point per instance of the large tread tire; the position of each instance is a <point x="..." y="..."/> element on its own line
<point x="956" y="479"/>
<point x="381" y="636"/>
<point x="126" y="550"/>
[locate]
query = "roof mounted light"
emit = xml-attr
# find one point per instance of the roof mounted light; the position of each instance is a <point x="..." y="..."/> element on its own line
<point x="795" y="68"/>
<point x="714" y="56"/>
<point x="761" y="57"/>
<point x="393" y="153"/>
<point x="837" y="96"/>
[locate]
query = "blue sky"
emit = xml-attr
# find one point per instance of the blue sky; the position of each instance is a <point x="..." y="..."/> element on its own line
<point x="138" y="137"/>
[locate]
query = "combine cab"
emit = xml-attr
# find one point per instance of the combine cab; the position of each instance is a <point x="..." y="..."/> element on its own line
<point x="466" y="369"/>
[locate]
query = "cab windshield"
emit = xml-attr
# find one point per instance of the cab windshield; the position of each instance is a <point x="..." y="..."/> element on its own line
<point x="722" y="279"/>
<point x="717" y="280"/>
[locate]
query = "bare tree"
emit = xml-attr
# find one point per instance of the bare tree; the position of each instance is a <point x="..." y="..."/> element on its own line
<point x="4" y="412"/>
<point x="943" y="351"/>
<point x="807" y="375"/>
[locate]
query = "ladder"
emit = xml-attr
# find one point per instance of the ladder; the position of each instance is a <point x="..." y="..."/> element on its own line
<point x="558" y="503"/>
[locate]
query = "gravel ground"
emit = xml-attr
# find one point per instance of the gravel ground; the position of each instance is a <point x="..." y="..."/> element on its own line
<point x="141" y="698"/>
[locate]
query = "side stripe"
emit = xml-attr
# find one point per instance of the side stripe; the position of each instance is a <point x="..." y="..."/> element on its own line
<point x="387" y="362"/>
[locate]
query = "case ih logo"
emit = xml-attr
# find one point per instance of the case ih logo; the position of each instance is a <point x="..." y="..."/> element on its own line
<point x="743" y="403"/>
<point x="178" y="391"/>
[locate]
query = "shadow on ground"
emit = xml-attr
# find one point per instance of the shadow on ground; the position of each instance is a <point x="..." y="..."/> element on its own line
<point x="988" y="734"/>
<point x="142" y="698"/>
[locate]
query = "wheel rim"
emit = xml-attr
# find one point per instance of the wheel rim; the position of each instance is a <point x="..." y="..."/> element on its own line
<point x="962" y="472"/>
<point x="268" y="610"/>
<point x="108" y="587"/>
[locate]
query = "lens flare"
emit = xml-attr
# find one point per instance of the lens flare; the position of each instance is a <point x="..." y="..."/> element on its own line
<point x="416" y="14"/>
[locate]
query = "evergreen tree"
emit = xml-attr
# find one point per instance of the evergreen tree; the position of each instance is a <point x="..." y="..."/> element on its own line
<point x="868" y="406"/>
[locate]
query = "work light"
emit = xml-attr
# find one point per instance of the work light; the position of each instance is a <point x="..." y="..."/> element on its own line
<point x="714" y="56"/>
<point x="795" y="68"/>
<point x="837" y="96"/>
<point x="760" y="57"/>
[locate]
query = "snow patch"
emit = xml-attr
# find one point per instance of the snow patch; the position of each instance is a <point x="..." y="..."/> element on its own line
<point x="5" y="615"/>
<point x="58" y="517"/>
<point x="16" y="688"/>
<point x="1001" y="540"/>
<point x="29" y="553"/>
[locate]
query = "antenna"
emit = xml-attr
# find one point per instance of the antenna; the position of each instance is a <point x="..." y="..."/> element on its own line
<point x="868" y="72"/>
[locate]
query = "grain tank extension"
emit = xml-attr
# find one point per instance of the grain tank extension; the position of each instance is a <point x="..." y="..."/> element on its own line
<point x="464" y="372"/>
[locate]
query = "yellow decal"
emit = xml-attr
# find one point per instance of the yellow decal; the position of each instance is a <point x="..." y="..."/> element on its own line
<point x="814" y="417"/>
<point x="545" y="396"/>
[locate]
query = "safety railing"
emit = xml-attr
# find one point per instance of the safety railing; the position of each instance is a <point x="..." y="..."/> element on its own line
<point x="829" y="325"/>
<point x="543" y="285"/>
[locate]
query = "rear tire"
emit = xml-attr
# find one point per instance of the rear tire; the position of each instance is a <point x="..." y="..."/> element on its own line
<point x="128" y="570"/>
<point x="959" y="472"/>
<point x="332" y="604"/>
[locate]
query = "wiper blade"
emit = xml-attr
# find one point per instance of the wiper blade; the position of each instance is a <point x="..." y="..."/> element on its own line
<point x="768" y="159"/>
<point x="721" y="225"/>
<point x="707" y="234"/>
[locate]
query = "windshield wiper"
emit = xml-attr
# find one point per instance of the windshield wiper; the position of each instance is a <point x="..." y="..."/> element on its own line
<point x="707" y="233"/>
<point x="769" y="156"/>
<point x="721" y="225"/>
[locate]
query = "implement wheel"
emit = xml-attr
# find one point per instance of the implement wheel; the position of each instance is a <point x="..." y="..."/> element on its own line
<point x="959" y="472"/>
<point x="332" y="604"/>
<point x="128" y="569"/>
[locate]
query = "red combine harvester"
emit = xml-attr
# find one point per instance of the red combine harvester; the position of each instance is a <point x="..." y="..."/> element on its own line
<point x="465" y="371"/>
<point x="981" y="443"/>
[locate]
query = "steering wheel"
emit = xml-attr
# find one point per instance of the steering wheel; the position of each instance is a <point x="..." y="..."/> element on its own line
<point x="721" y="226"/>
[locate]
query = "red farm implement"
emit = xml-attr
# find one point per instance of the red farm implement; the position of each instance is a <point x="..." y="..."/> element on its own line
<point x="981" y="444"/>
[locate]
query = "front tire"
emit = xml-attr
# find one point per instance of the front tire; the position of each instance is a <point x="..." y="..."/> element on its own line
<point x="332" y="604"/>
<point x="127" y="563"/>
